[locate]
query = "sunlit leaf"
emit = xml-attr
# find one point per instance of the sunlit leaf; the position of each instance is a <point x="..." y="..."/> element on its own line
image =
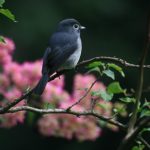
<point x="95" y="64"/>
<point x="103" y="94"/>
<point x="128" y="99"/>
<point x="145" y="112"/>
<point x="146" y="104"/>
<point x="117" y="68"/>
<point x="109" y="73"/>
<point x="115" y="88"/>
<point x="140" y="147"/>
<point x="8" y="14"/>
<point x="96" y="69"/>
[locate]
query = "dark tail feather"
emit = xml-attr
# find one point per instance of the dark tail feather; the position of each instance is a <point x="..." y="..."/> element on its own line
<point x="41" y="85"/>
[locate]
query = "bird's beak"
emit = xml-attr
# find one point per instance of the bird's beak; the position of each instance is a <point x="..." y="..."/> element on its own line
<point x="82" y="27"/>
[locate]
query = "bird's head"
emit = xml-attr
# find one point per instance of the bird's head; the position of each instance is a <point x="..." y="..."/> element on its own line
<point x="70" y="25"/>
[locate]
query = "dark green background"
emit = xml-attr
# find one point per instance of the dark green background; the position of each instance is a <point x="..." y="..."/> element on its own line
<point x="114" y="28"/>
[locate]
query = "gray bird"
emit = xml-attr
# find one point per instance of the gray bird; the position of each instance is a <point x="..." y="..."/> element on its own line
<point x="63" y="52"/>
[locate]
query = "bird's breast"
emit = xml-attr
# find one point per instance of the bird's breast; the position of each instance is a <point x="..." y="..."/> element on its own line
<point x="72" y="61"/>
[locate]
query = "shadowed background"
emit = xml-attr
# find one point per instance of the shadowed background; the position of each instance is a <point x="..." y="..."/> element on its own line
<point x="114" y="28"/>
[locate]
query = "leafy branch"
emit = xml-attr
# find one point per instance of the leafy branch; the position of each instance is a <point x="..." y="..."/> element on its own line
<point x="132" y="129"/>
<point x="5" y="108"/>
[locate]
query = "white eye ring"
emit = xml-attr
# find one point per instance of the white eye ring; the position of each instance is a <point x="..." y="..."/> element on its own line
<point x="76" y="26"/>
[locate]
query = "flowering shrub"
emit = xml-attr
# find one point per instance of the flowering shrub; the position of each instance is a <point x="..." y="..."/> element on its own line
<point x="15" y="78"/>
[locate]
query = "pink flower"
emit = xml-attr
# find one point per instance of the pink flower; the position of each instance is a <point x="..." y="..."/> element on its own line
<point x="4" y="81"/>
<point x="4" y="57"/>
<point x="69" y="126"/>
<point x="88" y="131"/>
<point x="54" y="94"/>
<point x="6" y="50"/>
<point x="8" y="46"/>
<point x="81" y="84"/>
<point x="10" y="120"/>
<point x="24" y="75"/>
<point x="50" y="125"/>
<point x="15" y="78"/>
<point x="12" y="94"/>
<point x="58" y="81"/>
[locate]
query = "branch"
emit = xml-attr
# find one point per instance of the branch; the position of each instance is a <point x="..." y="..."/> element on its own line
<point x="111" y="59"/>
<point x="83" y="63"/>
<point x="144" y="142"/>
<point x="16" y="101"/>
<point x="138" y="93"/>
<point x="132" y="130"/>
<point x="130" y="137"/>
<point x="65" y="111"/>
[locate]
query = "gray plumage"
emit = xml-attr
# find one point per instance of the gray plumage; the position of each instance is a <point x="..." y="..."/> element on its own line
<point x="63" y="52"/>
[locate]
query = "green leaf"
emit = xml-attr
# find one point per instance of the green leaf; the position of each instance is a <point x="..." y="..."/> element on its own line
<point x="145" y="130"/>
<point x="2" y="2"/>
<point x="109" y="73"/>
<point x="140" y="147"/>
<point x="119" y="110"/>
<point x="135" y="148"/>
<point x="2" y="40"/>
<point x="95" y="64"/>
<point x="128" y="99"/>
<point x="8" y="14"/>
<point x="115" y="88"/>
<point x="103" y="94"/>
<point x="117" y="68"/>
<point x="145" y="112"/>
<point x="96" y="69"/>
<point x="146" y="104"/>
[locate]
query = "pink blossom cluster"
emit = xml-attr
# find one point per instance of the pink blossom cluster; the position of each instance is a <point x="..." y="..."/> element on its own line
<point x="16" y="78"/>
<point x="68" y="126"/>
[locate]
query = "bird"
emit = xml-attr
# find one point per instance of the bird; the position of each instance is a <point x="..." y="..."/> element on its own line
<point x="63" y="51"/>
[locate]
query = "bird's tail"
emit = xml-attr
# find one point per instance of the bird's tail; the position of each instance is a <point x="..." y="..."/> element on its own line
<point x="38" y="90"/>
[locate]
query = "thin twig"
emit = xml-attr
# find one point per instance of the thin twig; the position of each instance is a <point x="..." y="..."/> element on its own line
<point x="16" y="101"/>
<point x="78" y="101"/>
<point x="65" y="111"/>
<point x="144" y="142"/>
<point x="129" y="138"/>
<point x="138" y="93"/>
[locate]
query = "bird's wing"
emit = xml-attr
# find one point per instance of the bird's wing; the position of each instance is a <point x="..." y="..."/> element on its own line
<point x="54" y="57"/>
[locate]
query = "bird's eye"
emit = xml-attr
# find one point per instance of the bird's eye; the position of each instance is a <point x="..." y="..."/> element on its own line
<point x="76" y="26"/>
